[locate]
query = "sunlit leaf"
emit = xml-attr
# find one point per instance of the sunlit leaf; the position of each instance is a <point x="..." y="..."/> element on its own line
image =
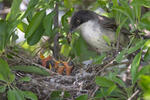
<point x="22" y="26"/>
<point x="65" y="50"/>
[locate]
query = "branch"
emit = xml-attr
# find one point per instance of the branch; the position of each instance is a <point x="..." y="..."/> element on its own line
<point x="134" y="94"/>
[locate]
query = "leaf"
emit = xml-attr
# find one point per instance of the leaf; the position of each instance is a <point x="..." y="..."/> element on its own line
<point x="111" y="89"/>
<point x="82" y="97"/>
<point x="65" y="50"/>
<point x="35" y="23"/>
<point x="30" y="69"/>
<point x="30" y="8"/>
<point x="64" y="19"/>
<point x="48" y="23"/>
<point x="15" y="9"/>
<point x="15" y="95"/>
<point x="36" y="36"/>
<point x="107" y="40"/>
<point x="120" y="56"/>
<point x="144" y="83"/>
<point x="25" y="79"/>
<point x="144" y="70"/>
<point x="30" y="95"/>
<point x="22" y="26"/>
<point x="147" y="55"/>
<point x="135" y="66"/>
<point x="104" y="82"/>
<point x="67" y="3"/>
<point x="136" y="47"/>
<point x="11" y="95"/>
<point x="5" y="72"/>
<point x="99" y="59"/>
<point x="3" y="34"/>
<point x="145" y="3"/>
<point x="2" y="89"/>
<point x="146" y="15"/>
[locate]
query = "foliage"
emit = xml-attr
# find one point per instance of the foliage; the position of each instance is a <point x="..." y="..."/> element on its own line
<point x="39" y="23"/>
<point x="7" y="84"/>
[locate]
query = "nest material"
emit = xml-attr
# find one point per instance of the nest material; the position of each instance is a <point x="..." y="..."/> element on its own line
<point x="81" y="81"/>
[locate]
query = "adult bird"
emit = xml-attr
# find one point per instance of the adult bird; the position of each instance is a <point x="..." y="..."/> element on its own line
<point x="95" y="28"/>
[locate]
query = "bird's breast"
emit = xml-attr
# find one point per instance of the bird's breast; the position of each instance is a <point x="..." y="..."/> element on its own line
<point x="93" y="35"/>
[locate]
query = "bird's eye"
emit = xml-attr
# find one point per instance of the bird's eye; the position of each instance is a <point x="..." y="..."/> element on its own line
<point x="78" y="21"/>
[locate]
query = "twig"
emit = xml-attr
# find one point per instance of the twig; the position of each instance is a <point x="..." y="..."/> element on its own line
<point x="134" y="94"/>
<point x="56" y="38"/>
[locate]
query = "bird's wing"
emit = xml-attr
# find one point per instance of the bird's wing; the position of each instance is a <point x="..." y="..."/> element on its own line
<point x="110" y="24"/>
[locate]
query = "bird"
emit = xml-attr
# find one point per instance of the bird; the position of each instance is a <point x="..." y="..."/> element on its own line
<point x="94" y="27"/>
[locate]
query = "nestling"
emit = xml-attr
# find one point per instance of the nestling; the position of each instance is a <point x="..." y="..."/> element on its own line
<point x="94" y="27"/>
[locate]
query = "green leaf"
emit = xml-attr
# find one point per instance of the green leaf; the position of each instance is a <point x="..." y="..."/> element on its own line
<point x="144" y="83"/>
<point x="144" y="70"/>
<point x="15" y="95"/>
<point x="30" y="69"/>
<point x="107" y="40"/>
<point x="80" y="49"/>
<point x="31" y="6"/>
<point x="5" y="72"/>
<point x="111" y="89"/>
<point x="136" y="47"/>
<point x="15" y="9"/>
<point x="135" y="66"/>
<point x="104" y="82"/>
<point x="99" y="59"/>
<point x="30" y="95"/>
<point x="120" y="56"/>
<point x="145" y="3"/>
<point x="147" y="44"/>
<point x="65" y="50"/>
<point x="11" y="95"/>
<point x="82" y="97"/>
<point x="68" y="3"/>
<point x="2" y="89"/>
<point x="64" y="19"/>
<point x="147" y="55"/>
<point x="146" y="15"/>
<point x="3" y="34"/>
<point x="48" y="23"/>
<point x="25" y="79"/>
<point x="22" y="26"/>
<point x="36" y="36"/>
<point x="35" y="23"/>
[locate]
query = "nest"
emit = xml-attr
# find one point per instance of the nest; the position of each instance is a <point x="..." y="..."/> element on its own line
<point x="81" y="81"/>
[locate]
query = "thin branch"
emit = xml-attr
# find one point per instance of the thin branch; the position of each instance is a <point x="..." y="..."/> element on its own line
<point x="134" y="94"/>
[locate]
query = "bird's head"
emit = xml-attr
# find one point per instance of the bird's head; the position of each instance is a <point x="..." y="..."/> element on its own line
<point x="81" y="17"/>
